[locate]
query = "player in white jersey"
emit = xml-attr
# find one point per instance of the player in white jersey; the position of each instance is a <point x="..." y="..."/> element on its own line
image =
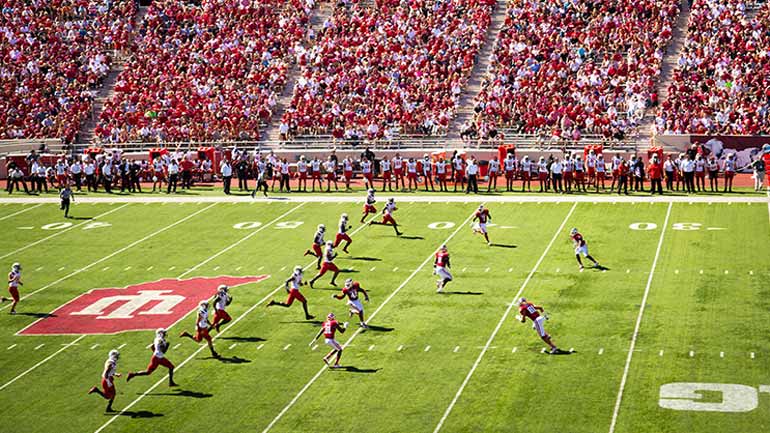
<point x="109" y="374"/>
<point x="159" y="348"/>
<point x="367" y="170"/>
<point x="493" y="172"/>
<point x="526" y="167"/>
<point x="202" y="326"/>
<point x="369" y="205"/>
<point x="14" y="281"/>
<point x="387" y="175"/>
<point x="295" y="280"/>
<point x="351" y="291"/>
<point x="318" y="240"/>
<point x="221" y="301"/>
<point x="615" y="171"/>
<point x="315" y="172"/>
<point x="331" y="174"/>
<point x="509" y="164"/>
<point x="327" y="265"/>
<point x="302" y="169"/>
<point x="441" y="174"/>
<point x="387" y="216"/>
<point x="398" y="170"/>
<point x="342" y="233"/>
<point x="347" y="171"/>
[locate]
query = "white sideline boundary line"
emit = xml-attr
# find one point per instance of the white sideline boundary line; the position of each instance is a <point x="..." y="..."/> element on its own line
<point x="359" y="330"/>
<point x="225" y="329"/>
<point x="59" y="232"/>
<point x="502" y="321"/>
<point x="113" y="254"/>
<point x="638" y="325"/>
<point x="27" y="371"/>
<point x="21" y="211"/>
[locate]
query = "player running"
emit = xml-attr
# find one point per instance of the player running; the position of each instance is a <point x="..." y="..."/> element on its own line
<point x="108" y="383"/>
<point x="482" y="215"/>
<point x="159" y="348"/>
<point x="14" y="281"/>
<point x="318" y="240"/>
<point x="387" y="216"/>
<point x="342" y="234"/>
<point x="441" y="268"/>
<point x="202" y="326"/>
<point x="221" y="300"/>
<point x="294" y="294"/>
<point x="328" y="265"/>
<point x="329" y="327"/>
<point x="351" y="290"/>
<point x="537" y="315"/>
<point x="581" y="247"/>
<point x="369" y="205"/>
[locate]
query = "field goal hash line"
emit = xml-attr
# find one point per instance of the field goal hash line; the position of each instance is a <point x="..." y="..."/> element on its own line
<point x="359" y="330"/>
<point x="502" y="320"/>
<point x="113" y="254"/>
<point x="229" y="325"/>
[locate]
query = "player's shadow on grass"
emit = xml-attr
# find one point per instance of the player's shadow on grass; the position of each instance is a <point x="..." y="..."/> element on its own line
<point x="376" y="328"/>
<point x="561" y="352"/>
<point x="503" y="245"/>
<point x="136" y="414"/>
<point x="311" y="322"/>
<point x="80" y="218"/>
<point x="182" y="393"/>
<point x="412" y="238"/>
<point x="462" y="293"/>
<point x="244" y="339"/>
<point x="348" y="271"/>
<point x="600" y="268"/>
<point x="231" y="360"/>
<point x="37" y="315"/>
<point x="366" y="259"/>
<point x="352" y="369"/>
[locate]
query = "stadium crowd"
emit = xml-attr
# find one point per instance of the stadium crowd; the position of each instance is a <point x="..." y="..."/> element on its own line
<point x="566" y="69"/>
<point x="53" y="54"/>
<point x="398" y="67"/>
<point x="206" y="70"/>
<point x="722" y="80"/>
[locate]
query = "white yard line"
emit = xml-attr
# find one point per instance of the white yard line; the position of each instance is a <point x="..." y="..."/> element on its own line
<point x="359" y="330"/>
<point x="500" y="323"/>
<point x="114" y="253"/>
<point x="224" y="330"/>
<point x="638" y="325"/>
<point x="27" y="371"/>
<point x="21" y="211"/>
<point x="59" y="232"/>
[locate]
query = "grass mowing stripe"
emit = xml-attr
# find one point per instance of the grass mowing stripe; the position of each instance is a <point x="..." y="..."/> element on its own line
<point x="626" y="368"/>
<point x="359" y="330"/>
<point x="30" y="245"/>
<point x="21" y="211"/>
<point x="113" y="254"/>
<point x="224" y="330"/>
<point x="64" y="347"/>
<point x="502" y="321"/>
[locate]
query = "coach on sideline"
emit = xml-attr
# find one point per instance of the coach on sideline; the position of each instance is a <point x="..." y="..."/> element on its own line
<point x="227" y="175"/>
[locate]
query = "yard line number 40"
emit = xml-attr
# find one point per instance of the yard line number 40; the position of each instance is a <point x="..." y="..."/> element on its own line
<point x="675" y="226"/>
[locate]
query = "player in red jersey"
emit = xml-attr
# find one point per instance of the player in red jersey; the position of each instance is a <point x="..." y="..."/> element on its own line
<point x="159" y="348"/>
<point x="14" y="281"/>
<point x="483" y="216"/>
<point x="581" y="248"/>
<point x="369" y="205"/>
<point x="351" y="291"/>
<point x="318" y="240"/>
<point x="328" y="265"/>
<point x="441" y="268"/>
<point x="329" y="327"/>
<point x="296" y="282"/>
<point x="221" y="300"/>
<point x="387" y="216"/>
<point x="342" y="234"/>
<point x="202" y="326"/>
<point x="528" y="310"/>
<point x="109" y="374"/>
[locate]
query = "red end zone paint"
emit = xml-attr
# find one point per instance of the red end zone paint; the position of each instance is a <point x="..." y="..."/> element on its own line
<point x="145" y="306"/>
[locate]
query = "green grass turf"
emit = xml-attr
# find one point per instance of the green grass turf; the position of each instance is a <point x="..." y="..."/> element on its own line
<point x="422" y="345"/>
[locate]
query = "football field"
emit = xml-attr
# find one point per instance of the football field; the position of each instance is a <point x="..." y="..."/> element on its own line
<point x="671" y="335"/>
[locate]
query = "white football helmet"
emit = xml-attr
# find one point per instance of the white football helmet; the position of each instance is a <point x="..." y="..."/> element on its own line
<point x="114" y="355"/>
<point x="443" y="247"/>
<point x="160" y="332"/>
<point x="344" y="216"/>
<point x="321" y="227"/>
<point x="329" y="243"/>
<point x="371" y="191"/>
<point x="298" y="269"/>
<point x="348" y="282"/>
<point x="573" y="231"/>
<point x="390" y="200"/>
<point x="16" y="266"/>
<point x="204" y="305"/>
<point x="222" y="288"/>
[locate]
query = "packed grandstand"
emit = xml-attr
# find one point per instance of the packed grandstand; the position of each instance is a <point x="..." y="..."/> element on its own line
<point x="129" y="75"/>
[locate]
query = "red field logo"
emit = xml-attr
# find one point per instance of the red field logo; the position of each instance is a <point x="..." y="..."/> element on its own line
<point x="146" y="306"/>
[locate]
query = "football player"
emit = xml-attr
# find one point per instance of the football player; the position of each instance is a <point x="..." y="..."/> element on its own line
<point x="536" y="314"/>
<point x="482" y="215"/>
<point x="202" y="326"/>
<point x="221" y="300"/>
<point x="342" y="234"/>
<point x="581" y="247"/>
<point x="159" y="348"/>
<point x="369" y="205"/>
<point x="351" y="291"/>
<point x="387" y="216"/>
<point x="328" y="329"/>
<point x="441" y="268"/>
<point x="108" y="383"/>
<point x="294" y="294"/>
<point x="328" y="265"/>
<point x="318" y="240"/>
<point x="14" y="281"/>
